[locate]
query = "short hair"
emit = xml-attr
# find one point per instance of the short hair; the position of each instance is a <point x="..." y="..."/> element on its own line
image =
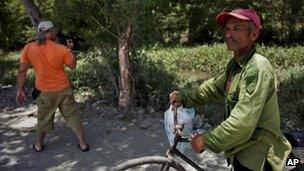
<point x="251" y="26"/>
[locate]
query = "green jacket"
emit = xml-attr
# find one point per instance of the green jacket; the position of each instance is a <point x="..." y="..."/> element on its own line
<point x="251" y="131"/>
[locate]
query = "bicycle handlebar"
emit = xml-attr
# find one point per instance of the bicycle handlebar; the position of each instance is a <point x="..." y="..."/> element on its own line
<point x="173" y="150"/>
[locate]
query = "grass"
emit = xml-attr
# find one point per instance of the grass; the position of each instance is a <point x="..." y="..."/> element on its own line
<point x="9" y="63"/>
<point x="159" y="70"/>
<point x="8" y="68"/>
<point x="196" y="64"/>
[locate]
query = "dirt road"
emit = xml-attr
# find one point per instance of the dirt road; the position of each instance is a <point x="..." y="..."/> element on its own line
<point x="112" y="140"/>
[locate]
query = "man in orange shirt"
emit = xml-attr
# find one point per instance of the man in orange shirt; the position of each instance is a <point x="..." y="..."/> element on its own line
<point x="48" y="59"/>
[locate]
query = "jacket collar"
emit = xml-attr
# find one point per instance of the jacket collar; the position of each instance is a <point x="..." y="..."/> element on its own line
<point x="242" y="61"/>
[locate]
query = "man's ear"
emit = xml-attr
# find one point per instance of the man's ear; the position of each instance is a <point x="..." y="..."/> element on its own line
<point x="254" y="34"/>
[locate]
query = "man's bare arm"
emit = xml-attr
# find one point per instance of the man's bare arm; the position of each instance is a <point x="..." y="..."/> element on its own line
<point x="21" y="75"/>
<point x="73" y="64"/>
<point x="20" y="97"/>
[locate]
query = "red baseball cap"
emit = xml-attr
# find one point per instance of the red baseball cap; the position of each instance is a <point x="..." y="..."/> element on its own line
<point x="242" y="14"/>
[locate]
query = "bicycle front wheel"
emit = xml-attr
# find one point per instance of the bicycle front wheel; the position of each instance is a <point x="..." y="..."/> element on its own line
<point x="151" y="163"/>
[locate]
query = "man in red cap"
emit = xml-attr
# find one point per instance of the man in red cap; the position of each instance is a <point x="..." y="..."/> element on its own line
<point x="250" y="135"/>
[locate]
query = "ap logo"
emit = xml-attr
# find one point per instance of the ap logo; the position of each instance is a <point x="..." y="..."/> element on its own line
<point x="292" y="162"/>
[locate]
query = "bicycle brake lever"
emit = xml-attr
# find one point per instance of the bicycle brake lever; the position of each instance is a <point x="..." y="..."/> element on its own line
<point x="178" y="129"/>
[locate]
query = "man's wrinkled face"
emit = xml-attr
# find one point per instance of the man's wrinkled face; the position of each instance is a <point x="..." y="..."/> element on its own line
<point x="238" y="34"/>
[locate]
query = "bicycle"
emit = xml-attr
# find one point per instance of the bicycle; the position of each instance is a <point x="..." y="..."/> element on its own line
<point x="154" y="163"/>
<point x="158" y="162"/>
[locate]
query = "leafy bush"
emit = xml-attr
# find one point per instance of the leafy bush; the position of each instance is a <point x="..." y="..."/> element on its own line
<point x="205" y="58"/>
<point x="159" y="70"/>
<point x="291" y="97"/>
<point x="196" y="64"/>
<point x="153" y="82"/>
<point x="97" y="70"/>
<point x="9" y="63"/>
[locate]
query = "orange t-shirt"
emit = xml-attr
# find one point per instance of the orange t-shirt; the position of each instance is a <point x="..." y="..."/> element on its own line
<point x="48" y="62"/>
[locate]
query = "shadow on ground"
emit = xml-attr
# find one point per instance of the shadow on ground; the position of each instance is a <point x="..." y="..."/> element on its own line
<point x="112" y="141"/>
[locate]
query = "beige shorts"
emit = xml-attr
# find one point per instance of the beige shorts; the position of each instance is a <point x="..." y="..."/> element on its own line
<point x="48" y="102"/>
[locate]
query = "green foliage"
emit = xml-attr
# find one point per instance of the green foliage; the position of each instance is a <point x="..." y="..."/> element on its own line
<point x="164" y="21"/>
<point x="153" y="81"/>
<point x="283" y="57"/>
<point x="97" y="70"/>
<point x="15" y="26"/>
<point x="158" y="70"/>
<point x="9" y="63"/>
<point x="8" y="68"/>
<point x="291" y="97"/>
<point x="196" y="64"/>
<point x="198" y="59"/>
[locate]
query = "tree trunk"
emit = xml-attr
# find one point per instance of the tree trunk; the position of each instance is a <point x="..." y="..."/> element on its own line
<point x="283" y="18"/>
<point x="32" y="11"/>
<point x="126" y="82"/>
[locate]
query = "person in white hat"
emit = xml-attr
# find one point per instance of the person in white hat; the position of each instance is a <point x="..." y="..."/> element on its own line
<point x="48" y="59"/>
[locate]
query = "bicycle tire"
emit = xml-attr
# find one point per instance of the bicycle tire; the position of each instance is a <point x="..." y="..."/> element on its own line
<point x="157" y="160"/>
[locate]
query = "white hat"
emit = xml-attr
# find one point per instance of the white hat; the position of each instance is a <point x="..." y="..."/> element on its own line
<point x="45" y="25"/>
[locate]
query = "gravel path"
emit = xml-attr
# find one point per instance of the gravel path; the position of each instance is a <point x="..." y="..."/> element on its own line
<point x="109" y="146"/>
<point x="112" y="141"/>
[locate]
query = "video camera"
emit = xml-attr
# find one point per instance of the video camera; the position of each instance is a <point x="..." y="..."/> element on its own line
<point x="62" y="39"/>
